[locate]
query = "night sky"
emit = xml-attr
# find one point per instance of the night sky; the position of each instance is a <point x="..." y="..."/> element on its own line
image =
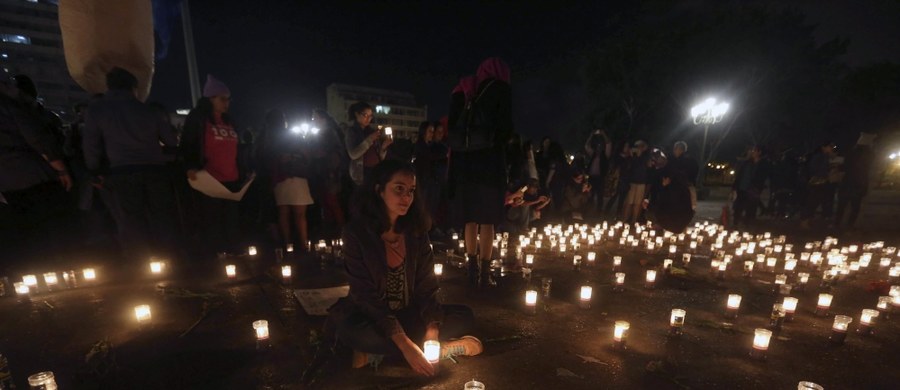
<point x="282" y="54"/>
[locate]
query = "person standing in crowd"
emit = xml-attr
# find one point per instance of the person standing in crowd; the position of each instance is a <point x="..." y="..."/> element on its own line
<point x="637" y="182"/>
<point x="617" y="183"/>
<point x="440" y="151"/>
<point x="331" y="133"/>
<point x="479" y="136"/>
<point x="559" y="174"/>
<point x="784" y="183"/>
<point x="210" y="142"/>
<point x="393" y="305"/>
<point x="542" y="159"/>
<point x="817" y="188"/>
<point x="855" y="184"/>
<point x="530" y="165"/>
<point x="365" y="145"/>
<point x="424" y="163"/>
<point x="33" y="178"/>
<point x="289" y="176"/>
<point x="47" y="120"/>
<point x="127" y="133"/>
<point x="687" y="167"/>
<point x="749" y="183"/>
<point x="598" y="149"/>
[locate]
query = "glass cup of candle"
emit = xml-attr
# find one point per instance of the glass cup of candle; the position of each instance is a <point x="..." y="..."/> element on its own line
<point x="22" y="290"/>
<point x="289" y="248"/>
<point x="790" y="307"/>
<point x="261" y="329"/>
<point x="839" y="329"/>
<point x="732" y="306"/>
<point x="867" y="321"/>
<point x="531" y="301"/>
<point x="89" y="274"/>
<point x="748" y="268"/>
<point x="584" y="300"/>
<point x="806" y="385"/>
<point x="619" y="283"/>
<point x="51" y="280"/>
<point x="529" y="260"/>
<point x="251" y="250"/>
<point x="823" y="304"/>
<point x="777" y="316"/>
<point x="620" y="334"/>
<point x="43" y="381"/>
<point x="432" y="350"/>
<point x="142" y="314"/>
<point x="576" y="262"/>
<point x="650" y="279"/>
<point x="231" y="271"/>
<point x="617" y="263"/>
<point x="883" y="306"/>
<point x="30" y="281"/>
<point x="438" y="270"/>
<point x="667" y="265"/>
<point x="720" y="273"/>
<point x="802" y="280"/>
<point x="686" y="259"/>
<point x="286" y="273"/>
<point x="761" y="338"/>
<point x="473" y="385"/>
<point x="676" y="322"/>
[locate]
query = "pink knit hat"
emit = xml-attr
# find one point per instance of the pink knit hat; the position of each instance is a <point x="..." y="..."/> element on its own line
<point x="214" y="87"/>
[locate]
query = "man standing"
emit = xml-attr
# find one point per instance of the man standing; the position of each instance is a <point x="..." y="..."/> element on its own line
<point x="855" y="184"/>
<point x="125" y="133"/>
<point x="688" y="168"/>
<point x="637" y="182"/>
<point x="749" y="183"/>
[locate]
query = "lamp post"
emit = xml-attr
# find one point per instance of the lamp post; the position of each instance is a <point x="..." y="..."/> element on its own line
<point x="709" y="112"/>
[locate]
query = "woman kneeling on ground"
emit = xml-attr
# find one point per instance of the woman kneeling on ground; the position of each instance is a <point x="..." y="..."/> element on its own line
<point x="393" y="307"/>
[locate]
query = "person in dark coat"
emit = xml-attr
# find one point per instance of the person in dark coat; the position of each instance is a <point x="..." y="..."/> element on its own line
<point x="599" y="150"/>
<point x="393" y="305"/>
<point x="749" y="182"/>
<point x="670" y="205"/>
<point x="687" y="166"/>
<point x="855" y="184"/>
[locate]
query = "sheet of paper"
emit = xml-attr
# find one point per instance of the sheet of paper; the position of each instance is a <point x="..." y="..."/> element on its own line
<point x="208" y="185"/>
<point x="317" y="301"/>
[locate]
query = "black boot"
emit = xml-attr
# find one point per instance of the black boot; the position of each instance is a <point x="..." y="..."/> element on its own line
<point x="487" y="275"/>
<point x="473" y="270"/>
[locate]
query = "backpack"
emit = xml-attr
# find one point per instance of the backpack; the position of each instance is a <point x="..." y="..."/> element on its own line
<point x="472" y="131"/>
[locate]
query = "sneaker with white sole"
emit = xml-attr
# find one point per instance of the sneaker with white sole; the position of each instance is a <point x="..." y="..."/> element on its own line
<point x="463" y="346"/>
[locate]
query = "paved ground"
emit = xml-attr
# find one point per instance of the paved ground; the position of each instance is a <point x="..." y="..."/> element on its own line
<point x="561" y="345"/>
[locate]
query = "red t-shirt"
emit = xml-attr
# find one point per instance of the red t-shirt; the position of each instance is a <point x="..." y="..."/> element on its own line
<point x="220" y="149"/>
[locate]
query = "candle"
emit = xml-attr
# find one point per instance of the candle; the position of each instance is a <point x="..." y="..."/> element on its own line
<point x="531" y="300"/>
<point x="790" y="307"/>
<point x="882" y="306"/>
<point x="529" y="260"/>
<point x="586" y="292"/>
<point x="89" y="274"/>
<point x="761" y="339"/>
<point x="723" y="266"/>
<point x="748" y="268"/>
<point x="824" y="304"/>
<point x="770" y="264"/>
<point x="262" y="329"/>
<point x="806" y="385"/>
<point x="650" y="280"/>
<point x="867" y="321"/>
<point x="21" y="288"/>
<point x="42" y="380"/>
<point x="733" y="305"/>
<point x="620" y="334"/>
<point x="290" y="248"/>
<point x="776" y="318"/>
<point x="839" y="329"/>
<point x="790" y="265"/>
<point x="803" y="278"/>
<point x="562" y="248"/>
<point x="591" y="256"/>
<point x="286" y="272"/>
<point x="474" y="385"/>
<point x="231" y="271"/>
<point x="667" y="264"/>
<point x="30" y="281"/>
<point x="780" y="280"/>
<point x="620" y="282"/>
<point x="462" y="246"/>
<point x="438" y="269"/>
<point x="156" y="267"/>
<point x="251" y="251"/>
<point x="686" y="259"/>
<point x="51" y="279"/>
<point x="432" y="350"/>
<point x="142" y="313"/>
<point x="455" y="236"/>
<point x="576" y="262"/>
<point x="676" y="322"/>
<point x="895" y="291"/>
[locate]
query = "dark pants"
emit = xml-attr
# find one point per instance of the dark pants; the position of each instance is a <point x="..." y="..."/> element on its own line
<point x="220" y="225"/>
<point x="816" y="196"/>
<point x="745" y="206"/>
<point x="852" y="197"/>
<point x="33" y="223"/>
<point x="359" y="332"/>
<point x="145" y="214"/>
<point x="597" y="182"/>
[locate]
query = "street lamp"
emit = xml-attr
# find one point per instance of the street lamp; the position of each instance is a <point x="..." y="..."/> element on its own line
<point x="707" y="113"/>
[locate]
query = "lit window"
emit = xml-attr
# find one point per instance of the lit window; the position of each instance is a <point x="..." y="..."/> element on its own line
<point x="382" y="110"/>
<point x="13" y="38"/>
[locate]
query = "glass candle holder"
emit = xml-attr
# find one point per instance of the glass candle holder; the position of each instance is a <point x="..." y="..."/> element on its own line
<point x="619" y="284"/>
<point x="51" y="279"/>
<point x="839" y="329"/>
<point x="286" y="272"/>
<point x="867" y="321"/>
<point x="733" y="305"/>
<point x="89" y="274"/>
<point x="761" y="338"/>
<point x="667" y="264"/>
<point x="30" y="281"/>
<point x="776" y="318"/>
<point x="686" y="259"/>
<point x="802" y="281"/>
<point x="142" y="314"/>
<point x="531" y="301"/>
<point x="251" y="251"/>
<point x="438" y="269"/>
<point x="529" y="260"/>
<point x="823" y="304"/>
<point x="676" y="322"/>
<point x="22" y="289"/>
<point x="576" y="262"/>
<point x="770" y="264"/>
<point x="790" y="307"/>
<point x="620" y="334"/>
<point x="591" y="257"/>
<point x="617" y="263"/>
<point x="289" y="248"/>
<point x="42" y="381"/>
<point x="650" y="279"/>
<point x="790" y="265"/>
<point x="585" y="297"/>
<point x="806" y="385"/>
<point x="473" y="385"/>
<point x="261" y="329"/>
<point x="156" y="267"/>
<point x="231" y="271"/>
<point x="432" y="350"/>
<point x="720" y="273"/>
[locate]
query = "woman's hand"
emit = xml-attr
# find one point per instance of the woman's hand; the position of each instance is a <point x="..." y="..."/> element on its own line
<point x="192" y="174"/>
<point x="374" y="136"/>
<point x="415" y="357"/>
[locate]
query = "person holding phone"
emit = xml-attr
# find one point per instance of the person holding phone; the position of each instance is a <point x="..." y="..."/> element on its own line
<point x="366" y="145"/>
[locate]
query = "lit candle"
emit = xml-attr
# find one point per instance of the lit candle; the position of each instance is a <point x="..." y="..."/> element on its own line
<point x="286" y="272"/>
<point x="867" y="321"/>
<point x="620" y="282"/>
<point x="156" y="267"/>
<point x="586" y="292"/>
<point x="562" y="248"/>
<point x="231" y="271"/>
<point x="672" y="249"/>
<point x="823" y="304"/>
<point x="882" y="306"/>
<point x="432" y="349"/>
<point x="529" y="260"/>
<point x="455" y="236"/>
<point x="462" y="246"/>
<point x="686" y="259"/>
<point x="51" y="279"/>
<point x="262" y="329"/>
<point x="790" y="307"/>
<point x="290" y="248"/>
<point x="806" y="385"/>
<point x="650" y="280"/>
<point x="30" y="281"/>
<point x="591" y="256"/>
<point x="620" y="334"/>
<point x="531" y="300"/>
<point x="42" y="380"/>
<point x="790" y="265"/>
<point x="895" y="291"/>
<point x="576" y="262"/>
<point x="885" y="262"/>
<point x="770" y="264"/>
<point x="803" y="278"/>
<point x="748" y="268"/>
<point x="617" y="262"/>
<point x="251" y="251"/>
<point x="733" y="305"/>
<point x="474" y="385"/>
<point x="438" y="269"/>
<point x="780" y="280"/>
<point x="22" y="289"/>
<point x="667" y="264"/>
<point x="839" y="329"/>
<point x="142" y="313"/>
<point x="723" y="266"/>
<point x="676" y="322"/>
<point x="761" y="339"/>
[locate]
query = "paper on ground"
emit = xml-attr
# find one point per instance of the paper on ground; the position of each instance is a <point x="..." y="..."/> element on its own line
<point x="317" y="301"/>
<point x="208" y="185"/>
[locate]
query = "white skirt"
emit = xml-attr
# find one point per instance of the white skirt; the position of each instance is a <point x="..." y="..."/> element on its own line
<point x="293" y="191"/>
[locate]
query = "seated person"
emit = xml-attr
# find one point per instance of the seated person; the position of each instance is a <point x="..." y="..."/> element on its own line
<point x="393" y="307"/>
<point x="523" y="205"/>
<point x="575" y="197"/>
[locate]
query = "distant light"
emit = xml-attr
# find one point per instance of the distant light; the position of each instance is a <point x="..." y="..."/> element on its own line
<point x="295" y="129"/>
<point x="304" y="128"/>
<point x="893" y="156"/>
<point x="731" y="173"/>
<point x="314" y="130"/>
<point x="4" y="55"/>
<point x="183" y="111"/>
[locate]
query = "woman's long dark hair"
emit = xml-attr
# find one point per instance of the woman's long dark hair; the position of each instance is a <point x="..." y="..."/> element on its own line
<point x="371" y="209"/>
<point x="203" y="112"/>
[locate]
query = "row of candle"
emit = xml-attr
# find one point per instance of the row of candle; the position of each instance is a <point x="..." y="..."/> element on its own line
<point x="29" y="283"/>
